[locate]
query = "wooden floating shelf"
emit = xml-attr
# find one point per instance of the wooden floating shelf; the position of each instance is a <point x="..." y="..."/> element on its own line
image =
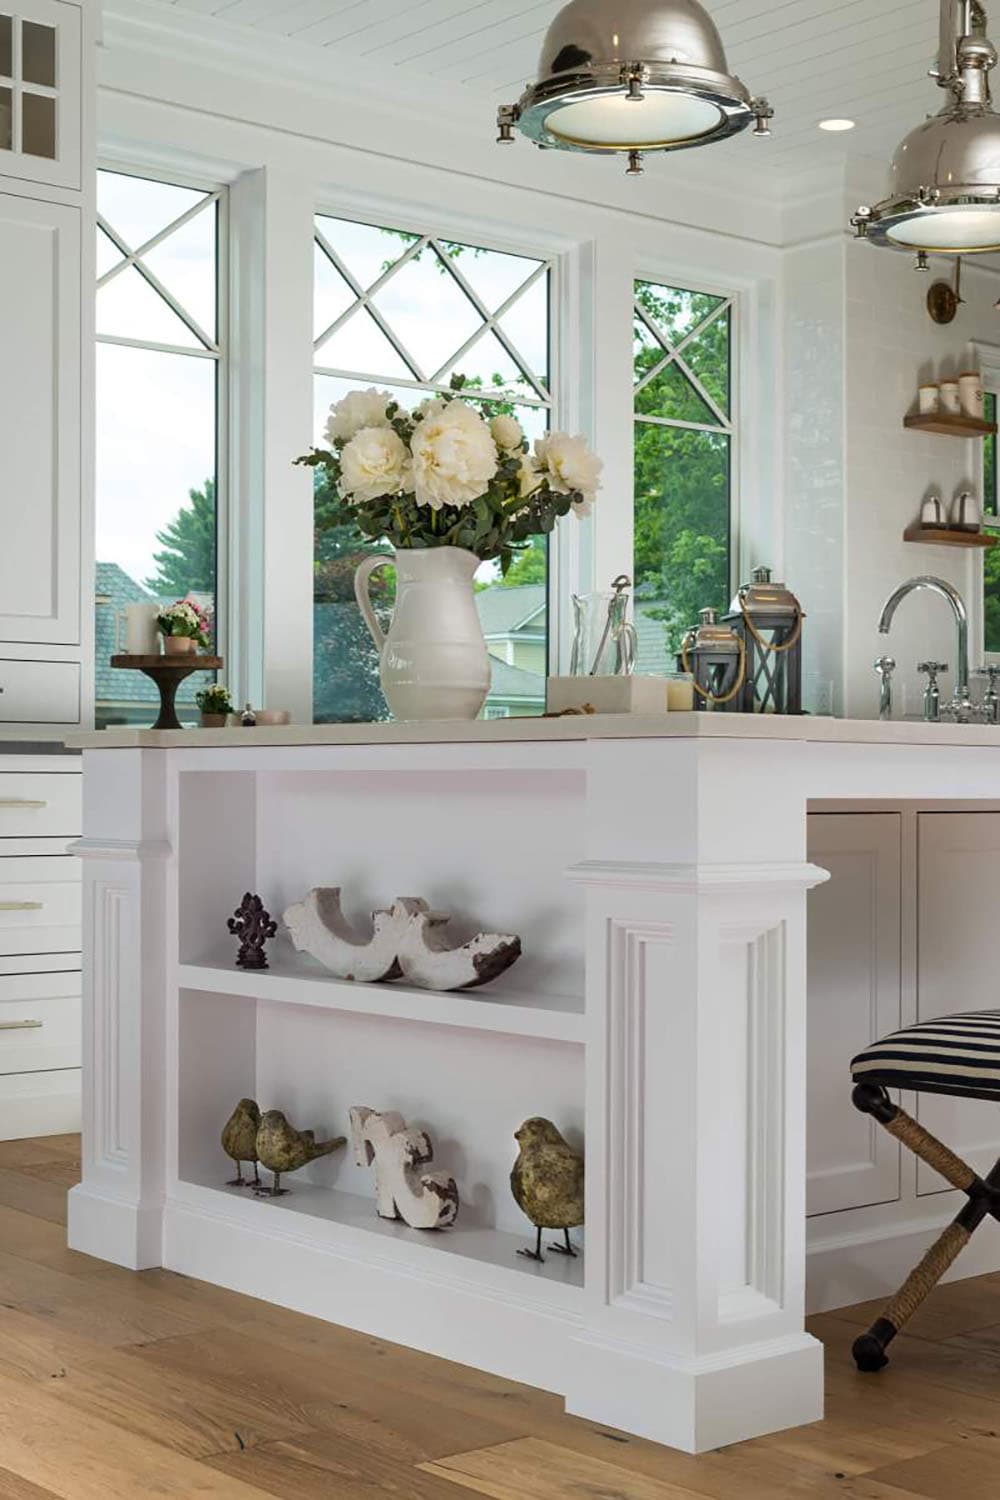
<point x="346" y="1225"/>
<point x="941" y="536"/>
<point x="950" y="424"/>
<point x="554" y="1018"/>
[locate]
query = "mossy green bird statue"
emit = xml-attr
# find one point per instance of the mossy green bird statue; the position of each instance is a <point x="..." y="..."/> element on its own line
<point x="239" y="1141"/>
<point x="282" y="1148"/>
<point x="547" y="1183"/>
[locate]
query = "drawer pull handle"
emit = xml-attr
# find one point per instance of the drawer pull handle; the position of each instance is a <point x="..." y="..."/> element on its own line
<point x="20" y="1025"/>
<point x="20" y="905"/>
<point x="21" y="802"/>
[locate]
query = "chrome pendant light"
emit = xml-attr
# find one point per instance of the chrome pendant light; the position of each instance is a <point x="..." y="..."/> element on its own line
<point x="631" y="76"/>
<point x="944" y="182"/>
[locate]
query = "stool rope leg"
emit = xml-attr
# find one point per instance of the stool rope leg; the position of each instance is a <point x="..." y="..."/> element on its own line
<point x="869" y="1348"/>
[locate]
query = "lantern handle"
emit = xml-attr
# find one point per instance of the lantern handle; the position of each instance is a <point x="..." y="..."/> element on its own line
<point x="769" y="645"/>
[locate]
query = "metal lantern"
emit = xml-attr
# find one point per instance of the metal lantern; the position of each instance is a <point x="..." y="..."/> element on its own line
<point x="767" y="619"/>
<point x="714" y="655"/>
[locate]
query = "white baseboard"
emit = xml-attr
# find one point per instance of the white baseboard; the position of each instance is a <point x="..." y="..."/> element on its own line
<point x="115" y="1229"/>
<point x="857" y="1265"/>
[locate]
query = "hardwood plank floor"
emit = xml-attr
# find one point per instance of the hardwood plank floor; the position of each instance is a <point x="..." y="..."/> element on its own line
<point x="116" y="1386"/>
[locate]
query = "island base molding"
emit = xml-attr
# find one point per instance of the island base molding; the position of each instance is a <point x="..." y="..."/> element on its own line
<point x="697" y="1404"/>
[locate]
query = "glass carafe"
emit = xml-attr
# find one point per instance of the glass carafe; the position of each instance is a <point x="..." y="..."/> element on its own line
<point x="604" y="640"/>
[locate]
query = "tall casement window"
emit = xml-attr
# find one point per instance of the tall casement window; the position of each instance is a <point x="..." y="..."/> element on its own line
<point x="406" y="312"/>
<point x="160" y="323"/>
<point x="684" y="423"/>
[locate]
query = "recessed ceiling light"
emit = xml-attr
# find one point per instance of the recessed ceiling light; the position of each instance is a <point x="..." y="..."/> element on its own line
<point x="836" y="124"/>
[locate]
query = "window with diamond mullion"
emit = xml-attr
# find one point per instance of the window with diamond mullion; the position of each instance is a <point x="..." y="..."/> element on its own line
<point x="682" y="402"/>
<point x="160" y="325"/>
<point x="405" y="312"/>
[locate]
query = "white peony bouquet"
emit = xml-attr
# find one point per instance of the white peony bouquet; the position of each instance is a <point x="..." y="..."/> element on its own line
<point x="442" y="475"/>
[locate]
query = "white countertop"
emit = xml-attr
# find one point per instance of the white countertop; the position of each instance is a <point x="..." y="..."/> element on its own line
<point x="573" y="727"/>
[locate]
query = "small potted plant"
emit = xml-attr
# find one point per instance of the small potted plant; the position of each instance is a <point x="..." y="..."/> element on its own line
<point x="215" y="706"/>
<point x="184" y="626"/>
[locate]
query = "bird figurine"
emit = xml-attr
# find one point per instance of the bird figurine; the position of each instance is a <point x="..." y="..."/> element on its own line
<point x="547" y="1183"/>
<point x="239" y="1141"/>
<point x="282" y="1148"/>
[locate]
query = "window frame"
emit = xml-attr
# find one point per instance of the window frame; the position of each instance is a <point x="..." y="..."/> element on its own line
<point x="988" y="358"/>
<point x="570" y="376"/>
<point x="736" y="296"/>
<point x="153" y="170"/>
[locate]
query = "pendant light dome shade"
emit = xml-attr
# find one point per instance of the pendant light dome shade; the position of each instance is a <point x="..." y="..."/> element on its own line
<point x="631" y="76"/>
<point x="944" y="180"/>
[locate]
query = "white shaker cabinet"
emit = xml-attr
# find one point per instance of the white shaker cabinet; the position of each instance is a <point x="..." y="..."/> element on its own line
<point x="47" y="188"/>
<point x="39" y="422"/>
<point x="958" y="962"/>
<point x="854" y="995"/>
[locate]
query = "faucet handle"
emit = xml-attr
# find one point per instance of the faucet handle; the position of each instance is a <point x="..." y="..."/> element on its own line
<point x="884" y="665"/>
<point x="932" y="668"/>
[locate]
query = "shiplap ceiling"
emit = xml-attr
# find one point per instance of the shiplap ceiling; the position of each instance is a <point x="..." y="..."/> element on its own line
<point x="813" y="58"/>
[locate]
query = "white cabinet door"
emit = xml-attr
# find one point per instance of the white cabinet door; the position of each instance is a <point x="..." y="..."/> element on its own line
<point x="40" y="380"/>
<point x="40" y="92"/>
<point x="958" y="964"/>
<point x="854" y="996"/>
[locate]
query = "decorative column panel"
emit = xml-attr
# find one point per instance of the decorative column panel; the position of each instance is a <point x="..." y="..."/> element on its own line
<point x="115" y="1212"/>
<point x="693" y="1326"/>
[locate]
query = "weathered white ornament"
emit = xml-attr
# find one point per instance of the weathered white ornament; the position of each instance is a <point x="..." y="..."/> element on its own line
<point x="407" y="942"/>
<point x="424" y="1200"/>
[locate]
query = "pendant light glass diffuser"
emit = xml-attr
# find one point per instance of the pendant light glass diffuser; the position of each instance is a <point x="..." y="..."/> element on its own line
<point x="944" y="181"/>
<point x="630" y="76"/>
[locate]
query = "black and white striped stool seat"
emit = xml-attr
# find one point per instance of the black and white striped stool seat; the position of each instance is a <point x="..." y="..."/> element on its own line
<point x="952" y="1055"/>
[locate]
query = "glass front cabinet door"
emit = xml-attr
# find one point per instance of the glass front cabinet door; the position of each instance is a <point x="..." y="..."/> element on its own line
<point x="40" y="95"/>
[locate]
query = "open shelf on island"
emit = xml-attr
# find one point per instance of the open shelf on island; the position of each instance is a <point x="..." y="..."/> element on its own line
<point x="943" y="536"/>
<point x="346" y="1224"/>
<point x="297" y="981"/>
<point x="950" y="424"/>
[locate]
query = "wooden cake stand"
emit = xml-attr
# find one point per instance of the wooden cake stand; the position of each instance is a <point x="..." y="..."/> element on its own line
<point x="168" y="672"/>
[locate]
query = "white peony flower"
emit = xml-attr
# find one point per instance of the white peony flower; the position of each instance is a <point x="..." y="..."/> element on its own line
<point x="568" y="464"/>
<point x="358" y="409"/>
<point x="454" y="456"/>
<point x="375" y="462"/>
<point x="528" y="476"/>
<point x="507" y="433"/>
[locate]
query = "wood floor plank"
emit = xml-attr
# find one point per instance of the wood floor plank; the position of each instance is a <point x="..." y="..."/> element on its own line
<point x="32" y="1152"/>
<point x="962" y="1471"/>
<point x="310" y="1388"/>
<point x="955" y="1307"/>
<point x="34" y="1349"/>
<point x="531" y="1469"/>
<point x="84" y="1458"/>
<point x="13" y="1487"/>
<point x="63" y="1171"/>
<point x="43" y="1200"/>
<point x="327" y="1467"/>
<point x="43" y="1241"/>
<point x="192" y="1416"/>
<point x="115" y="1312"/>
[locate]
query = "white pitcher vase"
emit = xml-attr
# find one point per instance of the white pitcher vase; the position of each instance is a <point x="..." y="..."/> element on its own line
<point x="433" y="660"/>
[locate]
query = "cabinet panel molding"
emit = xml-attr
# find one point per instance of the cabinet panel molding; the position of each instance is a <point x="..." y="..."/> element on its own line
<point x="854" y="997"/>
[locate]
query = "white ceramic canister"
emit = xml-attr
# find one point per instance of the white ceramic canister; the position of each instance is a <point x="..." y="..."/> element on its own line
<point x="137" y="623"/>
<point x="433" y="662"/>
<point x="928" y="399"/>
<point x="949" y="397"/>
<point x="970" y="393"/>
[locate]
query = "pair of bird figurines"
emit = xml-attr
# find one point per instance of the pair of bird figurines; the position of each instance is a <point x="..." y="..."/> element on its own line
<point x="547" y="1183"/>
<point x="251" y="1137"/>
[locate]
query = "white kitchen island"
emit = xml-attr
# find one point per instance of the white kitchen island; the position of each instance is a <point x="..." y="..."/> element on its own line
<point x="657" y="872"/>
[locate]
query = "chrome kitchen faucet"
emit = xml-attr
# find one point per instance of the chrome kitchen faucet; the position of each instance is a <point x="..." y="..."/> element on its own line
<point x="960" y="706"/>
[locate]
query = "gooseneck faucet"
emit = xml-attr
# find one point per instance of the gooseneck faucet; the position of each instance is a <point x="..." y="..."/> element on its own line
<point x="944" y="588"/>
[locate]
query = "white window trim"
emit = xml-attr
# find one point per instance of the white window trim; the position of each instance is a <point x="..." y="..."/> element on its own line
<point x="138" y="166"/>
<point x="988" y="358"/>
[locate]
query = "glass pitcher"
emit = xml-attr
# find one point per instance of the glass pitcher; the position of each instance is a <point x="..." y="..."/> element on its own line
<point x="604" y="639"/>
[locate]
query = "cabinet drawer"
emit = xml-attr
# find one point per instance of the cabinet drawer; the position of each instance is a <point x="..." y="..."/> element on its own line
<point x="39" y="1022"/>
<point x="40" y="901"/>
<point x="39" y="692"/>
<point x="39" y="806"/>
<point x="39" y="1103"/>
